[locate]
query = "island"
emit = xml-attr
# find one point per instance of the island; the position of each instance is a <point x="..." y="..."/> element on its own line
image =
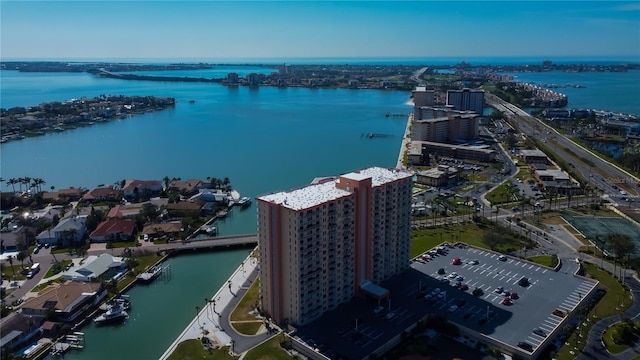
<point x="20" y="122"/>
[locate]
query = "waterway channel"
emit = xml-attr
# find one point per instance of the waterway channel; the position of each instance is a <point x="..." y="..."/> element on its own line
<point x="161" y="310"/>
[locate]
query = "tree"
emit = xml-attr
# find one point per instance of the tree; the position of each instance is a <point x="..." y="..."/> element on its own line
<point x="21" y="256"/>
<point x="623" y="247"/>
<point x="13" y="182"/>
<point x="149" y="212"/>
<point x="166" y="182"/>
<point x="11" y="264"/>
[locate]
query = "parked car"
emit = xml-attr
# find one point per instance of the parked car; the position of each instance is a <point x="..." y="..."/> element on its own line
<point x="540" y="332"/>
<point x="477" y="292"/>
<point x="502" y="258"/>
<point x="453" y="308"/>
<point x="499" y="290"/>
<point x="526" y="346"/>
<point x="524" y="282"/>
<point x="455" y="261"/>
<point x="464" y="287"/>
<point x="514" y="296"/>
<point x="378" y="310"/>
<point x="506" y="301"/>
<point x="390" y="316"/>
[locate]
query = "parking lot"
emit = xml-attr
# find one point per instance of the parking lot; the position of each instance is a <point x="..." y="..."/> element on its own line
<point x="361" y="326"/>
<point x="494" y="311"/>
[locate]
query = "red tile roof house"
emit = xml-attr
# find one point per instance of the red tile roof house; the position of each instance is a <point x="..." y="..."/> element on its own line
<point x="138" y="187"/>
<point x="63" y="195"/>
<point x="101" y="194"/>
<point x="114" y="229"/>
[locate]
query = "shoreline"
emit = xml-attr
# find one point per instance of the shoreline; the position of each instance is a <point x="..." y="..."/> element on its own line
<point x="406" y="141"/>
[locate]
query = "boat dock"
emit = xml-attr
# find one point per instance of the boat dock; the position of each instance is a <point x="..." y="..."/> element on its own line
<point x="72" y="341"/>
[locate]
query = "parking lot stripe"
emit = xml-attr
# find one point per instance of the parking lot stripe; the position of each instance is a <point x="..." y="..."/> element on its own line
<point x="537" y="268"/>
<point x="502" y="278"/>
<point x="544" y="271"/>
<point x="535" y="342"/>
<point x="507" y="274"/>
<point x="530" y="266"/>
<point x="524" y="264"/>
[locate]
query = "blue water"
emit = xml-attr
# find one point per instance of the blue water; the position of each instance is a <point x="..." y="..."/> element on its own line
<point x="264" y="139"/>
<point x="612" y="91"/>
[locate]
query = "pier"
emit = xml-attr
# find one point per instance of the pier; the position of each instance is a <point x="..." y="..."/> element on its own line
<point x="72" y="341"/>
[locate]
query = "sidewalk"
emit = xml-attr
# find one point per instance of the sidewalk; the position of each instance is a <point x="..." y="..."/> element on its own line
<point x="209" y="321"/>
<point x="406" y="140"/>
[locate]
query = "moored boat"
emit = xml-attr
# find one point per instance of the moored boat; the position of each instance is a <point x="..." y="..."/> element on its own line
<point x="150" y="275"/>
<point x="122" y="301"/>
<point x="244" y="201"/>
<point x="114" y="315"/>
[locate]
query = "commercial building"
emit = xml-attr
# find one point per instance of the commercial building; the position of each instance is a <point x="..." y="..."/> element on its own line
<point x="466" y="99"/>
<point x="322" y="244"/>
<point x="439" y="176"/>
<point x="450" y="129"/>
<point x="420" y="150"/>
<point x="534" y="157"/>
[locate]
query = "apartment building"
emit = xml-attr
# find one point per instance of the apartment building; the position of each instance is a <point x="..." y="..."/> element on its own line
<point x="325" y="243"/>
<point x="466" y="99"/>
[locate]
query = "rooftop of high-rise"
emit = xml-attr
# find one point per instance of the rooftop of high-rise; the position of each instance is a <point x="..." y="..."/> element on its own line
<point x="316" y="194"/>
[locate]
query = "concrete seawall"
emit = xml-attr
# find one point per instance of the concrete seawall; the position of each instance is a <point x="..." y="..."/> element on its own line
<point x="406" y="140"/>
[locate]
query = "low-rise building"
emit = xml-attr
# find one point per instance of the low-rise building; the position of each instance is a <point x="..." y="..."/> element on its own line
<point x="68" y="231"/>
<point x="106" y="193"/>
<point x="158" y="230"/>
<point x="114" y="230"/>
<point x="133" y="188"/>
<point x="18" y="330"/>
<point x="94" y="268"/>
<point x="68" y="300"/>
<point x="465" y="152"/>
<point x="439" y="176"/>
<point x="534" y="156"/>
<point x="189" y="186"/>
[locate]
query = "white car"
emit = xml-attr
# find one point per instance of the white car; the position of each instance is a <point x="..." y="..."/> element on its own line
<point x="442" y="295"/>
<point x="473" y="262"/>
<point x="378" y="310"/>
<point x="502" y="258"/>
<point x="453" y="274"/>
<point x="389" y="316"/>
<point x="453" y="308"/>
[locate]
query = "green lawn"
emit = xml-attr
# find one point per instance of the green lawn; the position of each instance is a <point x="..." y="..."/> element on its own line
<point x="247" y="303"/>
<point x="268" y="350"/>
<point x="57" y="268"/>
<point x="247" y="328"/>
<point x="615" y="301"/>
<point x="610" y="343"/>
<point x="193" y="349"/>
<point x="425" y="239"/>
<point x="545" y="260"/>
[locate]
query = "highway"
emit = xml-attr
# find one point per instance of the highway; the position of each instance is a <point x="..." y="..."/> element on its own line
<point x="603" y="175"/>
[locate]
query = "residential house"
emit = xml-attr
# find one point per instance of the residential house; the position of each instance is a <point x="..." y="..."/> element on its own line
<point x="69" y="231"/>
<point x="106" y="193"/>
<point x="188" y="187"/>
<point x="48" y="214"/>
<point x="69" y="300"/>
<point x="183" y="208"/>
<point x="63" y="195"/>
<point x="17" y="330"/>
<point x="124" y="211"/>
<point x="133" y="188"/>
<point x="18" y="238"/>
<point x="95" y="267"/>
<point x="115" y="230"/>
<point x="210" y="195"/>
<point x="158" y="230"/>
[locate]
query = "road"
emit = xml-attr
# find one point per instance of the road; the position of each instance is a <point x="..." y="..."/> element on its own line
<point x="531" y="127"/>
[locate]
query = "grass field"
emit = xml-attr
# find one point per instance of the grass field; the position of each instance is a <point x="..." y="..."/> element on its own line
<point x="610" y="344"/>
<point x="615" y="301"/>
<point x="545" y="260"/>
<point x="241" y="318"/>
<point x="193" y="349"/>
<point x="500" y="195"/>
<point x="269" y="350"/>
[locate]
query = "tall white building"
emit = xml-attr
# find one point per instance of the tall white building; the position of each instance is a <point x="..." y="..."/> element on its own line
<point x="322" y="244"/>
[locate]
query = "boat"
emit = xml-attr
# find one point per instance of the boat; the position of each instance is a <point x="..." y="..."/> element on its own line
<point x="114" y="315"/>
<point x="122" y="301"/>
<point x="211" y="230"/>
<point x="244" y="201"/>
<point x="150" y="275"/>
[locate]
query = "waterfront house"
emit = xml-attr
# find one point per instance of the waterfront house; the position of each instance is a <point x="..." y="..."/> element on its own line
<point x="96" y="267"/>
<point x="106" y="193"/>
<point x="124" y="211"/>
<point x="187" y="187"/>
<point x="210" y="195"/>
<point x="68" y="231"/>
<point x="141" y="188"/>
<point x="68" y="300"/>
<point x="115" y="230"/>
<point x="183" y="208"/>
<point x="158" y="230"/>
<point x="18" y="330"/>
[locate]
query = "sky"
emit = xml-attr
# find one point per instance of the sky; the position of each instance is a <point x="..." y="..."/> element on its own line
<point x="90" y="29"/>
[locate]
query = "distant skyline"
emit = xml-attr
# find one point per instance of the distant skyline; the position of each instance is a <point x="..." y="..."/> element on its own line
<point x="317" y="29"/>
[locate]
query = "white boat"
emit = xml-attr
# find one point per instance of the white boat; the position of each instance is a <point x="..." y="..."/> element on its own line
<point x="211" y="230"/>
<point x="122" y="301"/>
<point x="244" y="201"/>
<point x="150" y="275"/>
<point x="114" y="315"/>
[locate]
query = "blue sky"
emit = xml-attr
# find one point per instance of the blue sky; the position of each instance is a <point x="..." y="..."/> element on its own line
<point x="298" y="29"/>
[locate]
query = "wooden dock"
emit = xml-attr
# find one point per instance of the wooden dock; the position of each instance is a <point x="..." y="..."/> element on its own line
<point x="71" y="341"/>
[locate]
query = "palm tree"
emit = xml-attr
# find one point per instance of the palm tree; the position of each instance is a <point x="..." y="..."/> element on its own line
<point x="27" y="183"/>
<point x="13" y="182"/>
<point x="38" y="182"/>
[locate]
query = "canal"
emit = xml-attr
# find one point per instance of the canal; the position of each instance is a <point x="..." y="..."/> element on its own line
<point x="161" y="310"/>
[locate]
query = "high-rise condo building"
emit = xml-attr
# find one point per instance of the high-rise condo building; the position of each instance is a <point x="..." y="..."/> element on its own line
<point x="466" y="99"/>
<point x="322" y="244"/>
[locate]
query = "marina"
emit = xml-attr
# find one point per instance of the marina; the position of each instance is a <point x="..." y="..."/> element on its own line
<point x="72" y="341"/>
